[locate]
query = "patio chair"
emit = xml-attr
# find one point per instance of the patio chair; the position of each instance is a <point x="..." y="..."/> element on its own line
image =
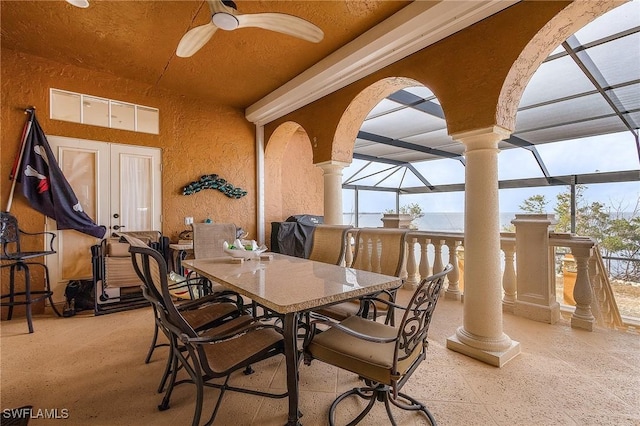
<point x="383" y="356"/>
<point x="329" y="244"/>
<point x="208" y="239"/>
<point x="209" y="355"/>
<point x="16" y="259"/>
<point x="381" y="250"/>
<point x="202" y="313"/>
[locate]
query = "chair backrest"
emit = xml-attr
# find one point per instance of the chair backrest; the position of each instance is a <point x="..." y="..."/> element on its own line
<point x="329" y="243"/>
<point x="380" y="250"/>
<point x="10" y="235"/>
<point x="154" y="268"/>
<point x="414" y="327"/>
<point x="9" y="231"/>
<point x="209" y="237"/>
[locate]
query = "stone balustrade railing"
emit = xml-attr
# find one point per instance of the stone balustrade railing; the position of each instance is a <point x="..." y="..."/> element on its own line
<point x="592" y="291"/>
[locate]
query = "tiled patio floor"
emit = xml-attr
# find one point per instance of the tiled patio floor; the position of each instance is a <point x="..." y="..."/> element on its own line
<point x="94" y="367"/>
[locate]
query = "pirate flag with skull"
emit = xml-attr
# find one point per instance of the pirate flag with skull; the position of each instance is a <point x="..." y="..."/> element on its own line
<point x="46" y="188"/>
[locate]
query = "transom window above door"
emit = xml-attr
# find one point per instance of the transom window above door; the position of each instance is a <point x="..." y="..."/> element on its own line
<point x="87" y="109"/>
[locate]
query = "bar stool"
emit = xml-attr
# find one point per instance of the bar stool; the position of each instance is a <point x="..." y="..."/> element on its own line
<point x="18" y="260"/>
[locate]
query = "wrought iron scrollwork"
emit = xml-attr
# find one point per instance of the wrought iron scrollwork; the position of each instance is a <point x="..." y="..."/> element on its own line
<point x="418" y="316"/>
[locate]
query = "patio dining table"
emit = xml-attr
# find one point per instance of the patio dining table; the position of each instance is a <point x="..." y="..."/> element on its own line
<point x="290" y="286"/>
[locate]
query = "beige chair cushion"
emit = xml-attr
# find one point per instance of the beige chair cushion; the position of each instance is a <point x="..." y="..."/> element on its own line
<point x="207" y="314"/>
<point x="225" y="355"/>
<point x="371" y="360"/>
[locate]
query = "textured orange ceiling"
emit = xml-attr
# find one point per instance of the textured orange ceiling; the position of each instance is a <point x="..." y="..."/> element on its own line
<point x="137" y="40"/>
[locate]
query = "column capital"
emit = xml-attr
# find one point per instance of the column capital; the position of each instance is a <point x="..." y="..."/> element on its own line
<point x="332" y="166"/>
<point x="487" y="137"/>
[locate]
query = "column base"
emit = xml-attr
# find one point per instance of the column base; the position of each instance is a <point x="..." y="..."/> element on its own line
<point x="508" y="307"/>
<point x="497" y="359"/>
<point x="541" y="313"/>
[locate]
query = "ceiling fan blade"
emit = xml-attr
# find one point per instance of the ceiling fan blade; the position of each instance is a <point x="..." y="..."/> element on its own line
<point x="282" y="23"/>
<point x="194" y="39"/>
<point x="79" y="3"/>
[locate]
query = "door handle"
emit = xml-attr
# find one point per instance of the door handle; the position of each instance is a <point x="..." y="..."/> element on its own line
<point x="116" y="227"/>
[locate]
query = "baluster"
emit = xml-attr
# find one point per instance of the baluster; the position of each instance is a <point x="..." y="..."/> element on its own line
<point x="582" y="316"/>
<point x="413" y="278"/>
<point x="437" y="261"/>
<point x="425" y="266"/>
<point x="509" y="276"/>
<point x="348" y="256"/>
<point x="597" y="291"/>
<point x="453" y="277"/>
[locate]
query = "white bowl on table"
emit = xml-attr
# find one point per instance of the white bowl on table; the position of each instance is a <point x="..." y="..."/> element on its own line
<point x="245" y="254"/>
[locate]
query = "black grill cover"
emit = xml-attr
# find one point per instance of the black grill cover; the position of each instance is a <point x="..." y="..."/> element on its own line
<point x="295" y="236"/>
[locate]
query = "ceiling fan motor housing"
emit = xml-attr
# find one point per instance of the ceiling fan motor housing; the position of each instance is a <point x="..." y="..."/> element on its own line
<point x="226" y="21"/>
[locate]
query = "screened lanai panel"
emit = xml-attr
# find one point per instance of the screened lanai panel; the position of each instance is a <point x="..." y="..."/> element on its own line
<point x="410" y="156"/>
<point x="377" y="149"/>
<point x="361" y="172"/>
<point x="441" y="172"/>
<point x="423" y="92"/>
<point x="555" y="79"/>
<point x="563" y="112"/>
<point x="626" y="98"/>
<point x="619" y="60"/>
<point x="517" y="164"/>
<point x="576" y="130"/>
<point x="591" y="155"/>
<point x="383" y="107"/>
<point x="403" y="123"/>
<point x="412" y="181"/>
<point x="438" y="139"/>
<point x="633" y="118"/>
<point x="620" y="19"/>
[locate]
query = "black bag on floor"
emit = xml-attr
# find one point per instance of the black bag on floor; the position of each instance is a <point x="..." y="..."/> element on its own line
<point x="80" y="296"/>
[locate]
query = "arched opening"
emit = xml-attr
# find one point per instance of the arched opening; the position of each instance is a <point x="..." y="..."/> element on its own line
<point x="390" y="152"/>
<point x="293" y="185"/>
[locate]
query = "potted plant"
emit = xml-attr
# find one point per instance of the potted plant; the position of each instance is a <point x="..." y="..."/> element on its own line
<point x="404" y="219"/>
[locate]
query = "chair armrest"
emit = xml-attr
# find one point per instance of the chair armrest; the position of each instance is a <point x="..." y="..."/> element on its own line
<point x="236" y="333"/>
<point x="316" y="319"/>
<point x="45" y="233"/>
<point x="195" y="286"/>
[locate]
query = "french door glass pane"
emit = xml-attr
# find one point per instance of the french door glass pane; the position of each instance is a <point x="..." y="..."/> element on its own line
<point x="79" y="167"/>
<point x="136" y="203"/>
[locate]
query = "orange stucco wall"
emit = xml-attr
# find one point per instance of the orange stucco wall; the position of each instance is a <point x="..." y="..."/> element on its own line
<point x="196" y="138"/>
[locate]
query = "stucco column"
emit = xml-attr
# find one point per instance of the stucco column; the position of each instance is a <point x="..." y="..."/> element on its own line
<point x="481" y="334"/>
<point x="332" y="191"/>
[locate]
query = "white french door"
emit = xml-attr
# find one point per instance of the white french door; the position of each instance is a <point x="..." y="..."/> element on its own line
<point x="118" y="186"/>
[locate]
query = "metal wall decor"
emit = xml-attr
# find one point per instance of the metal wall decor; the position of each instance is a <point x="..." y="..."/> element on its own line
<point x="214" y="182"/>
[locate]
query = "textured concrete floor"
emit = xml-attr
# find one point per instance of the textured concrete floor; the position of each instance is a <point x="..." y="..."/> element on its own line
<point x="94" y="368"/>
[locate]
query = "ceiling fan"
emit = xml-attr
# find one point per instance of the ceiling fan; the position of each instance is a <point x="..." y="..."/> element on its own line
<point x="224" y="15"/>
